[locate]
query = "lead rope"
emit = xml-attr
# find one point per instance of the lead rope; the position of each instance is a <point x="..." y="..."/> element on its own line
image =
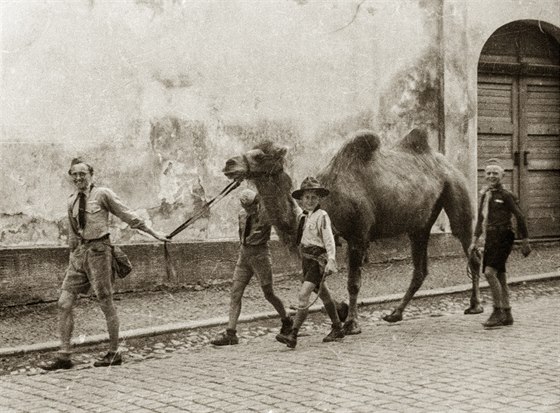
<point x="169" y="268"/>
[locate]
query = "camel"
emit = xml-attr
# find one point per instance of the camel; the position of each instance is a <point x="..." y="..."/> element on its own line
<point x="375" y="192"/>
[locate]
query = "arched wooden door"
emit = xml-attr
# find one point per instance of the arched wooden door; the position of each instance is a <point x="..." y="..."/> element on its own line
<point x="519" y="119"/>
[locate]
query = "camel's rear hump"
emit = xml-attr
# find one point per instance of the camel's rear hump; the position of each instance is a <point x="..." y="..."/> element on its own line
<point x="416" y="141"/>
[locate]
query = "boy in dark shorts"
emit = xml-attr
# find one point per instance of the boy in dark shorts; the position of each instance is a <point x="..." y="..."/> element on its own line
<point x="318" y="260"/>
<point x="494" y="235"/>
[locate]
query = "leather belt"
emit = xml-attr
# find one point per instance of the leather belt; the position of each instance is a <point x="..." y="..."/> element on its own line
<point x="89" y="241"/>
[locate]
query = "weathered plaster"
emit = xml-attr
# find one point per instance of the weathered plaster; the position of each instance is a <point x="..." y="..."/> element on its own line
<point x="158" y="94"/>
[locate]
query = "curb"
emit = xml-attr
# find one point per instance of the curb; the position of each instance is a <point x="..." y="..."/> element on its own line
<point x="214" y="322"/>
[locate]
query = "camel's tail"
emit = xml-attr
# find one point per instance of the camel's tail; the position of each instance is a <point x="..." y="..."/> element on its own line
<point x="458" y="207"/>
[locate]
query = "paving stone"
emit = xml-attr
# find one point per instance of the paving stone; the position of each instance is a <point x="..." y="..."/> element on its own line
<point x="401" y="367"/>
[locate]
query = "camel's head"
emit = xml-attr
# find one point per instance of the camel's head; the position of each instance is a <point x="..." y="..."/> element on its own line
<point x="264" y="160"/>
<point x="264" y="166"/>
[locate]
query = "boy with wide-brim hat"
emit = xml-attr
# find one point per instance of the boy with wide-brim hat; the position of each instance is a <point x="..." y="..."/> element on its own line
<point x="318" y="254"/>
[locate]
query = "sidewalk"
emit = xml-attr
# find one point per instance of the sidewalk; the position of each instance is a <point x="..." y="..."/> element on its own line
<point x="423" y="364"/>
<point x="32" y="326"/>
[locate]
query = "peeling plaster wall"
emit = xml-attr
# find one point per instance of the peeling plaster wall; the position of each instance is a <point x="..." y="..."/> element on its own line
<point x="158" y="94"/>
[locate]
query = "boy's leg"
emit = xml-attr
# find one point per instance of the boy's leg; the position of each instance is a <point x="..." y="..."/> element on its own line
<point x="330" y="305"/>
<point x="496" y="319"/>
<point x="336" y="333"/>
<point x="287" y="322"/>
<point x="495" y="287"/>
<point x="241" y="277"/>
<point x="236" y="296"/>
<point x="504" y="289"/>
<point x="262" y="267"/>
<point x="303" y="300"/>
<point x="508" y="317"/>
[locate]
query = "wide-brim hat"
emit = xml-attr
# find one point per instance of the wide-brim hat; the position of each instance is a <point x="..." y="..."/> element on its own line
<point x="310" y="184"/>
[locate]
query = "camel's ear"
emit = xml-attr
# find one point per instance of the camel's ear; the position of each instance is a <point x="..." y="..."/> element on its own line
<point x="256" y="154"/>
<point x="282" y="151"/>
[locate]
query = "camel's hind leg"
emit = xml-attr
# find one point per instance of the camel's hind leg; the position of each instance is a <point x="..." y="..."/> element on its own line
<point x="355" y="260"/>
<point x="419" y="244"/>
<point x="474" y="267"/>
<point x="457" y="206"/>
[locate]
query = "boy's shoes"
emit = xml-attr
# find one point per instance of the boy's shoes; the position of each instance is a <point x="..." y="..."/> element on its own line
<point x="497" y="319"/>
<point x="58" y="364"/>
<point x="227" y="338"/>
<point x="287" y="324"/>
<point x="288" y="339"/>
<point x="112" y="358"/>
<point x="342" y="310"/>
<point x="336" y="334"/>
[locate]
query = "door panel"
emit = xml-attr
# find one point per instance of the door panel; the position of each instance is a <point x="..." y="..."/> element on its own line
<point x="519" y="119"/>
<point x="542" y="146"/>
<point x="497" y="125"/>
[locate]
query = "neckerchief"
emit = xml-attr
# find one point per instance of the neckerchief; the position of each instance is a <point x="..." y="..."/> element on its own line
<point x="485" y="211"/>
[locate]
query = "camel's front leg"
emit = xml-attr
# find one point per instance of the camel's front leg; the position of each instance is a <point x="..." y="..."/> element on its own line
<point x="475" y="266"/>
<point x="355" y="260"/>
<point x="419" y="243"/>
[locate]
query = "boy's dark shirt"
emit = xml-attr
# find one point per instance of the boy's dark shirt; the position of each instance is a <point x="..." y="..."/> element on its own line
<point x="502" y="205"/>
<point x="259" y="228"/>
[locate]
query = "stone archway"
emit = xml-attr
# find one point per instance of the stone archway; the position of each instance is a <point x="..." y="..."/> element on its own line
<point x="519" y="118"/>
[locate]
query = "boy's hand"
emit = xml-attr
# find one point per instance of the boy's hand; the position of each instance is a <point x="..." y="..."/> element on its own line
<point x="330" y="267"/>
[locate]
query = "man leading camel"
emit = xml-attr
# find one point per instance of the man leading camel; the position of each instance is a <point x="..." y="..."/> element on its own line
<point x="91" y="259"/>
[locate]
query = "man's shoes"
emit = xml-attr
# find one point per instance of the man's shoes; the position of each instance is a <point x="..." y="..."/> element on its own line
<point x="58" y="364"/>
<point x="288" y="339"/>
<point x="287" y="324"/>
<point x="110" y="359"/>
<point x="508" y="318"/>
<point x="497" y="319"/>
<point x="342" y="310"/>
<point x="227" y="338"/>
<point x="336" y="334"/>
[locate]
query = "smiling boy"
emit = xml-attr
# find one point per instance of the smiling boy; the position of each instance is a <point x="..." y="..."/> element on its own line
<point x="494" y="235"/>
<point x="318" y="252"/>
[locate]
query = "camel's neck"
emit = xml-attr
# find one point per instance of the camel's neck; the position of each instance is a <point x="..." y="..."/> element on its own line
<point x="277" y="199"/>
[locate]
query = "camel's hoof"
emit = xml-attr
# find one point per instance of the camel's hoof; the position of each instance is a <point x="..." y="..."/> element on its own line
<point x="351" y="327"/>
<point x="393" y="317"/>
<point x="477" y="309"/>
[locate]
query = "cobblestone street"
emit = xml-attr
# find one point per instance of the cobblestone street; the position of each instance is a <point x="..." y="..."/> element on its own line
<point x="434" y="361"/>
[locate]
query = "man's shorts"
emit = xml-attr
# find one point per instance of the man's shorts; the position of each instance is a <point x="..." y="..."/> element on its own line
<point x="90" y="266"/>
<point x="497" y="249"/>
<point x="253" y="260"/>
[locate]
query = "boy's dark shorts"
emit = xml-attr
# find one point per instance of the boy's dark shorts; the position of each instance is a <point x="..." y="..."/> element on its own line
<point x="312" y="271"/>
<point x="499" y="244"/>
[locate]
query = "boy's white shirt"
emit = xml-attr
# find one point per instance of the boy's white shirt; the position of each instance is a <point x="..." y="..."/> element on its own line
<point x="318" y="231"/>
